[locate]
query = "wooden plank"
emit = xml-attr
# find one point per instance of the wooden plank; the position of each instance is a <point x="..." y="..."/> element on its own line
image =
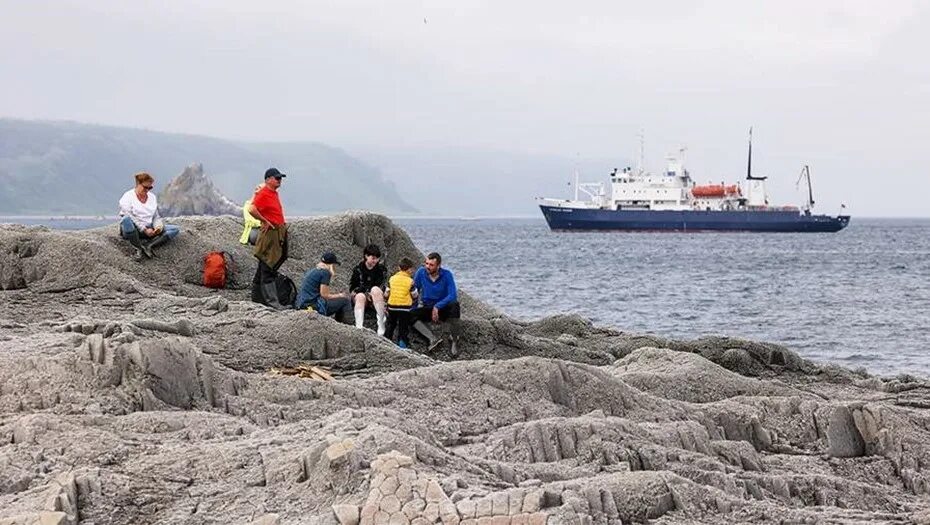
<point x="322" y="373"/>
<point x="317" y="373"/>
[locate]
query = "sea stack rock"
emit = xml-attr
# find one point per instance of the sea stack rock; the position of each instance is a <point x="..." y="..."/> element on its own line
<point x="193" y="193"/>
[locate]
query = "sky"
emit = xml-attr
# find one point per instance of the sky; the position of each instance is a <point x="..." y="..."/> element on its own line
<point x="842" y="86"/>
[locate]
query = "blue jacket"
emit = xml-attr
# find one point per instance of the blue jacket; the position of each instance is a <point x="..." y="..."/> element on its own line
<point x="439" y="293"/>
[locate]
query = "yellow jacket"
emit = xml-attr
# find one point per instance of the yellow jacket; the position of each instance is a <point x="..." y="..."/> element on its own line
<point x="250" y="222"/>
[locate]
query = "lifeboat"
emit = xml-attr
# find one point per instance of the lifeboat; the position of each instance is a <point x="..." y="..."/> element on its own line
<point x="715" y="190"/>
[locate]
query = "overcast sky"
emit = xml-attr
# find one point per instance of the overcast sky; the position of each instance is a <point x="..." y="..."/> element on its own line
<point x="841" y="85"/>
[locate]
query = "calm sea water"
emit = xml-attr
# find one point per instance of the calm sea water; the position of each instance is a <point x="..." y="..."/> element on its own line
<point x="860" y="297"/>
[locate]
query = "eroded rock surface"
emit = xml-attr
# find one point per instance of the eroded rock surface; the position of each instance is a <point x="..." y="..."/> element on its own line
<point x="131" y="394"/>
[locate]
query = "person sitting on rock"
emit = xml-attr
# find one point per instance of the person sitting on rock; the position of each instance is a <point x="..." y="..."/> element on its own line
<point x="367" y="286"/>
<point x="438" y="302"/>
<point x="140" y="222"/>
<point x="400" y="297"/>
<point x="316" y="294"/>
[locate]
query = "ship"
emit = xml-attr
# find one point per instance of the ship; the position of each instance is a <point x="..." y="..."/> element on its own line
<point x="672" y="201"/>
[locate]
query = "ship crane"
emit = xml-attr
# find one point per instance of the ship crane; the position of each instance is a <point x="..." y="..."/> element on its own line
<point x="806" y="174"/>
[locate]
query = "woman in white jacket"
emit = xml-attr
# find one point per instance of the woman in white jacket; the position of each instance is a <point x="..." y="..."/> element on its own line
<point x="140" y="222"/>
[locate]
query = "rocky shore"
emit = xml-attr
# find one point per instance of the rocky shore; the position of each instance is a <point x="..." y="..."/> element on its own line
<point x="131" y="394"/>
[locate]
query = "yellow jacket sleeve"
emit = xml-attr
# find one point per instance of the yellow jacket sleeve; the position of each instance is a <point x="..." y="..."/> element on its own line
<point x="249" y="221"/>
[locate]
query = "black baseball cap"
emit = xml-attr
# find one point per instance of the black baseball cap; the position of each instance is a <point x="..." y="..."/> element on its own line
<point x="330" y="258"/>
<point x="273" y="172"/>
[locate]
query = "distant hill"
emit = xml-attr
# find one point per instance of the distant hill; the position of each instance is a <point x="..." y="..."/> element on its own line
<point x="65" y="168"/>
<point x="474" y="182"/>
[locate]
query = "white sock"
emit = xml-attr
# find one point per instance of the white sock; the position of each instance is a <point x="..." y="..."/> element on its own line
<point x="360" y="317"/>
<point x="382" y="318"/>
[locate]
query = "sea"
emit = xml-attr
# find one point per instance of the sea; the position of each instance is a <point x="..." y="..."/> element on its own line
<point x="859" y="298"/>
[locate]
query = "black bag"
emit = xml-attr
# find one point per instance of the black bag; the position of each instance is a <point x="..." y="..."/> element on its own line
<point x="287" y="290"/>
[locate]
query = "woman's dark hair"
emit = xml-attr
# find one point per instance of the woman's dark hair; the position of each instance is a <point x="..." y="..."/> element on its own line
<point x="372" y="249"/>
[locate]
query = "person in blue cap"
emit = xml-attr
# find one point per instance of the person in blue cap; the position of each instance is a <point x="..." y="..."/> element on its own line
<point x="316" y="294"/>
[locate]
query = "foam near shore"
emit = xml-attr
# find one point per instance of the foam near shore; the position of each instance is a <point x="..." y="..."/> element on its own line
<point x="131" y="394"/>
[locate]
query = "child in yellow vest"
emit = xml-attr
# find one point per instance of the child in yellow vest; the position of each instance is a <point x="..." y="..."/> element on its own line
<point x="401" y="299"/>
<point x="251" y="225"/>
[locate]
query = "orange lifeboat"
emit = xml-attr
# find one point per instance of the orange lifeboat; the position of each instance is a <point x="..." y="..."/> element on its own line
<point x="714" y="190"/>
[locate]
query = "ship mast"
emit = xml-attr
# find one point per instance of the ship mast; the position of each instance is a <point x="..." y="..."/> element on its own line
<point x="749" y="161"/>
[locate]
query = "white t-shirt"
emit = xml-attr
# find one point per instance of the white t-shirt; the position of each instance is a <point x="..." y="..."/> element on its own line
<point x="142" y="213"/>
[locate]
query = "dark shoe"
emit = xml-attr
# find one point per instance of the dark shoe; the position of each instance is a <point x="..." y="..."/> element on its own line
<point x="137" y="254"/>
<point x="155" y="242"/>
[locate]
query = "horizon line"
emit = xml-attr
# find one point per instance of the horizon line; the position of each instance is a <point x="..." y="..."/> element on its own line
<point x="467" y="217"/>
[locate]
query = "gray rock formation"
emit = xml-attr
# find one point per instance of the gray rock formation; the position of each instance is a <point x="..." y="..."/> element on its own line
<point x="131" y="394"/>
<point x="193" y="193"/>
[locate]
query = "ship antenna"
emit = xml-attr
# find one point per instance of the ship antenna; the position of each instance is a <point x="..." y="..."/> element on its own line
<point x="642" y="149"/>
<point x="576" y="184"/>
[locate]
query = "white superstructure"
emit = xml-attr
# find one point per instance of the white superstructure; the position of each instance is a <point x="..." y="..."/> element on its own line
<point x="674" y="190"/>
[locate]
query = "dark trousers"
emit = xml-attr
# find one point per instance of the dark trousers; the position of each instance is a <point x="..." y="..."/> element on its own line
<point x="266" y="274"/>
<point x="449" y="311"/>
<point x="399" y="318"/>
<point x="340" y="309"/>
<point x="263" y="274"/>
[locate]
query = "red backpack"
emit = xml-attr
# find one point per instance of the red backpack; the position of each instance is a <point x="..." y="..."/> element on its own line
<point x="214" y="270"/>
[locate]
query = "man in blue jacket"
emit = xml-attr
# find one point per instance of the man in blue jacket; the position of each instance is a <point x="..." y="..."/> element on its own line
<point x="438" y="302"/>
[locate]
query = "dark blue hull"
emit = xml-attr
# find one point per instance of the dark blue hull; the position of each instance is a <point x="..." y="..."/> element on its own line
<point x="575" y="219"/>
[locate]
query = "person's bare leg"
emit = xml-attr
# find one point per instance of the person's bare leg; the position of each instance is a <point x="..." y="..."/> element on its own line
<point x="359" y="310"/>
<point x="377" y="299"/>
